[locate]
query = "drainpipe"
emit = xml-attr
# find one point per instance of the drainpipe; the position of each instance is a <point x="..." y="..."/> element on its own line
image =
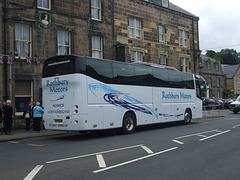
<point x="5" y="97"/>
<point x="194" y="50"/>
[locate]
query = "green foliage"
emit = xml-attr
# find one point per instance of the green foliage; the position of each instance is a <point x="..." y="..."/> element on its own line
<point x="226" y="56"/>
<point x="213" y="54"/>
<point x="228" y="92"/>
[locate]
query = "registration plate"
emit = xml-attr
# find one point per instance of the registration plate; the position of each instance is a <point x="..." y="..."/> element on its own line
<point x="58" y="121"/>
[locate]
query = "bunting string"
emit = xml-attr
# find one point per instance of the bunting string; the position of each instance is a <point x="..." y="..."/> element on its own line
<point x="29" y="60"/>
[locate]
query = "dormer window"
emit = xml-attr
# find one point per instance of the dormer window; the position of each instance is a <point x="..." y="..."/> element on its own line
<point x="165" y="3"/>
<point x="209" y="65"/>
<point x="217" y="66"/>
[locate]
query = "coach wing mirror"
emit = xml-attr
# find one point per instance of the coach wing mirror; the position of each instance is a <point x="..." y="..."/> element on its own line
<point x="202" y="82"/>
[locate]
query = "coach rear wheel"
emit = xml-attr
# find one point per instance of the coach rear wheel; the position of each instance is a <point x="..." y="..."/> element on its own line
<point x="129" y="123"/>
<point x="187" y="117"/>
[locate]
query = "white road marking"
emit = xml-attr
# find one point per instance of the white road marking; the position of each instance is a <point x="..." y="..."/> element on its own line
<point x="236" y="126"/>
<point x="201" y="135"/>
<point x="33" y="173"/>
<point x="93" y="154"/>
<point x="134" y="160"/>
<point x="149" y="151"/>
<point x="176" y="141"/>
<point x="215" y="135"/>
<point x="197" y="134"/>
<point x="101" y="161"/>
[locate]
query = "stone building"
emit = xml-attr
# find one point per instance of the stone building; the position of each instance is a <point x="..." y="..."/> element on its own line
<point x="155" y="31"/>
<point x="232" y="77"/>
<point x="164" y="34"/>
<point x="212" y="71"/>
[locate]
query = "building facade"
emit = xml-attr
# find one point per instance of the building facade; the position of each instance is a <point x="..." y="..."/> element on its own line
<point x="232" y="78"/>
<point x="212" y="72"/>
<point x="155" y="31"/>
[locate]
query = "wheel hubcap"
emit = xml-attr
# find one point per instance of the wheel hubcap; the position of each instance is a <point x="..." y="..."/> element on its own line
<point x="187" y="117"/>
<point x="129" y="123"/>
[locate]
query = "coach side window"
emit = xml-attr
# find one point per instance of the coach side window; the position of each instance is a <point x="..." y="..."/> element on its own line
<point x="143" y="75"/>
<point x="161" y="78"/>
<point x="175" y="79"/>
<point x="123" y="73"/>
<point x="100" y="70"/>
<point x="188" y="81"/>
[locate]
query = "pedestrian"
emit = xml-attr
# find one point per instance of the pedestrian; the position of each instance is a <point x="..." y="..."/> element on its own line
<point x="34" y="124"/>
<point x="27" y="114"/>
<point x="3" y="123"/>
<point x="8" y="119"/>
<point x="37" y="116"/>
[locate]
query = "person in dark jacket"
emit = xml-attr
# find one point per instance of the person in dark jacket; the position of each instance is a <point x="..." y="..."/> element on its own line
<point x="27" y="114"/>
<point x="8" y="120"/>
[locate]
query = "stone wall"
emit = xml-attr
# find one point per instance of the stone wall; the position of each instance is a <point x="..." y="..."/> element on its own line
<point x="151" y="16"/>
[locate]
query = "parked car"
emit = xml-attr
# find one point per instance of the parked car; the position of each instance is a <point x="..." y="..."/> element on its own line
<point x="218" y="104"/>
<point x="226" y="103"/>
<point x="235" y="105"/>
<point x="208" y="103"/>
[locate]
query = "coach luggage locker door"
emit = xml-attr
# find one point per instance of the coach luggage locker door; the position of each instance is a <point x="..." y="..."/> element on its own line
<point x="157" y="107"/>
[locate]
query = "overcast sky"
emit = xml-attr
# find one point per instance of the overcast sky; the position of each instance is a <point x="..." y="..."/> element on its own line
<point x="219" y="23"/>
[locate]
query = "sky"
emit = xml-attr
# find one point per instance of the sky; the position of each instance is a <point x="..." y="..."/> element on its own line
<point x="219" y="24"/>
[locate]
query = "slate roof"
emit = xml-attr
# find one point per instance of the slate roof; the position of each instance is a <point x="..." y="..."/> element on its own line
<point x="177" y="9"/>
<point x="213" y="62"/>
<point x="230" y="70"/>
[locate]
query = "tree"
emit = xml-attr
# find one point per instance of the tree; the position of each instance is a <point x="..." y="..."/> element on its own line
<point x="229" y="56"/>
<point x="213" y="54"/>
<point x="228" y="92"/>
<point x="226" y="56"/>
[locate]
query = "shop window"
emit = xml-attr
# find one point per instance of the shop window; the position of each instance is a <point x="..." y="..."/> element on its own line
<point x="23" y="94"/>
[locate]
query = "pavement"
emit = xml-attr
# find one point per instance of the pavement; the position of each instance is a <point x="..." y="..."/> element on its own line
<point x="22" y="134"/>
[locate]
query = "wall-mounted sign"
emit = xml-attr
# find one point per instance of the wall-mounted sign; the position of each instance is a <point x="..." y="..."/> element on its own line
<point x="45" y="19"/>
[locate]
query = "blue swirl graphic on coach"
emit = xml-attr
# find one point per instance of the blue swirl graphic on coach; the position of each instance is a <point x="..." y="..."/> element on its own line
<point x="120" y="99"/>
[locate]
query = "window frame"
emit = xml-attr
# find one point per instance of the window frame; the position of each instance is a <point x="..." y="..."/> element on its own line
<point x="136" y="56"/>
<point x="99" y="10"/>
<point x="218" y="82"/>
<point x="29" y="42"/>
<point x="134" y="28"/>
<point x="210" y="81"/>
<point x="161" y="35"/>
<point x="41" y="7"/>
<point x="165" y="59"/>
<point x="209" y="65"/>
<point x="184" y="64"/>
<point x="183" y="38"/>
<point x="93" y="49"/>
<point x="217" y="66"/>
<point x="63" y="45"/>
<point x="165" y="3"/>
<point x="20" y="113"/>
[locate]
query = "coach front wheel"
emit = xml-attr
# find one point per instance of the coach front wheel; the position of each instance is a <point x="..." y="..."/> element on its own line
<point x="129" y="123"/>
<point x="187" y="117"/>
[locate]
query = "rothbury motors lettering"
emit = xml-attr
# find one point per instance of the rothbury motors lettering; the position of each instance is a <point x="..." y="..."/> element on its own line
<point x="171" y="95"/>
<point x="57" y="82"/>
